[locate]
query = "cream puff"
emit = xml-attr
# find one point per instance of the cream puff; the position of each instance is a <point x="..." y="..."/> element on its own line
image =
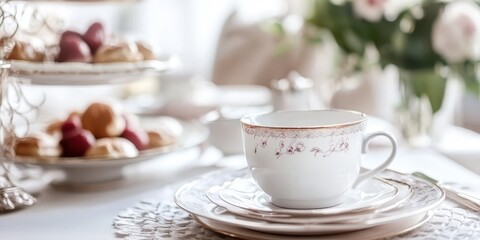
<point x="103" y="120"/>
<point x="112" y="148"/>
<point x="37" y="145"/>
<point x="122" y="52"/>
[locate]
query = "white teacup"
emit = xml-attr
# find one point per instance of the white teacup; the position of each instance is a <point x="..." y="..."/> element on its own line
<point x="308" y="159"/>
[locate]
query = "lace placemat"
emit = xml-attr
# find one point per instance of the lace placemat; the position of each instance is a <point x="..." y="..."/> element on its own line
<point x="160" y="218"/>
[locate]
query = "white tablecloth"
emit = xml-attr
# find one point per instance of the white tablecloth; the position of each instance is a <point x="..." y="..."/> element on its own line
<point x="84" y="215"/>
<point x="462" y="146"/>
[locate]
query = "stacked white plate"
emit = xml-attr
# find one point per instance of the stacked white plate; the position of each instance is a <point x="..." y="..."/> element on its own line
<point x="231" y="203"/>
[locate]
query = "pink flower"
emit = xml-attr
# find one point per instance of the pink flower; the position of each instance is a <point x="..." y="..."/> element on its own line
<point x="456" y="32"/>
<point x="300" y="147"/>
<point x="290" y="150"/>
<point x="374" y="10"/>
<point x="264" y="144"/>
<point x="277" y="152"/>
<point x="370" y="10"/>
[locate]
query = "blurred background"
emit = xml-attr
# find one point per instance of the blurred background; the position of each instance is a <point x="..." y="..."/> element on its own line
<point x="394" y="60"/>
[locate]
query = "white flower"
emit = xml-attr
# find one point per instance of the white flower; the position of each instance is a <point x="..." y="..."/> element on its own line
<point x="371" y="10"/>
<point x="456" y="32"/>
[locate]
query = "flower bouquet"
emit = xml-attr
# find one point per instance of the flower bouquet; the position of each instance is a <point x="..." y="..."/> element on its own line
<point x="429" y="41"/>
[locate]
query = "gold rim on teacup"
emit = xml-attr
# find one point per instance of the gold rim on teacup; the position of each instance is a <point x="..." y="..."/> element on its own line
<point x="246" y="120"/>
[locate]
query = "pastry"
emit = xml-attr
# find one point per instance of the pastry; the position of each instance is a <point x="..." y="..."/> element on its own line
<point x="103" y="120"/>
<point x="112" y="148"/>
<point x="24" y="51"/>
<point x="73" y="48"/>
<point x="55" y="127"/>
<point x="146" y="51"/>
<point x="75" y="140"/>
<point x="37" y="145"/>
<point x="94" y="36"/>
<point x="122" y="52"/>
<point x="134" y="133"/>
<point x="160" y="138"/>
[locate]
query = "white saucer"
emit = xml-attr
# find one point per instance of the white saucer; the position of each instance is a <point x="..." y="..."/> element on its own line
<point x="404" y="192"/>
<point x="191" y="197"/>
<point x="245" y="193"/>
<point x="379" y="232"/>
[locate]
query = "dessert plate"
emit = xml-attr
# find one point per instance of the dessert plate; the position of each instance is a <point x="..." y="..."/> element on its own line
<point x="93" y="170"/>
<point x="191" y="197"/>
<point x="379" y="232"/>
<point x="245" y="193"/>
<point x="404" y="192"/>
<point x="54" y="73"/>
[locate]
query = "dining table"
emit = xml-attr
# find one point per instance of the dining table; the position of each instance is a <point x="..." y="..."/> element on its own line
<point x="92" y="212"/>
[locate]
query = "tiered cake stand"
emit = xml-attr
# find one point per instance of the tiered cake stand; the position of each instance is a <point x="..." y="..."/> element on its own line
<point x="77" y="170"/>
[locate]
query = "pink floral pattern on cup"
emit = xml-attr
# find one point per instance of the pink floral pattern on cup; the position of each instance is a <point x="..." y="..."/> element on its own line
<point x="294" y="147"/>
<point x="335" y="147"/>
<point x="291" y="142"/>
<point x="263" y="144"/>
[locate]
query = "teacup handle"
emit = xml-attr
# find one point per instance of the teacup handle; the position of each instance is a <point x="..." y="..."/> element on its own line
<point x="366" y="140"/>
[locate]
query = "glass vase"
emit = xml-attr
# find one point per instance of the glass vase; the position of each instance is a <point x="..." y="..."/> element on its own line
<point x="421" y="97"/>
